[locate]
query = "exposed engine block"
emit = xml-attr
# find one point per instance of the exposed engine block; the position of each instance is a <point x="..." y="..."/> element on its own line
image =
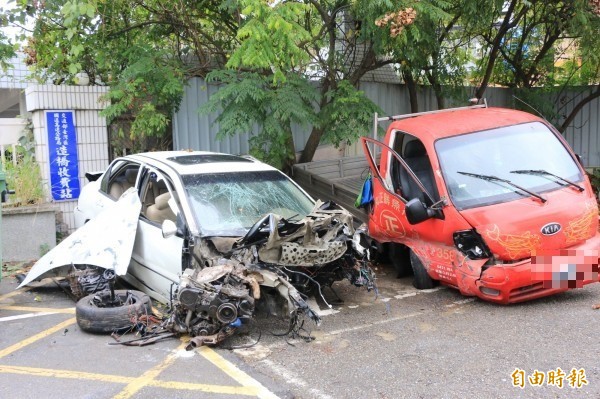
<point x="204" y="308"/>
<point x="221" y="306"/>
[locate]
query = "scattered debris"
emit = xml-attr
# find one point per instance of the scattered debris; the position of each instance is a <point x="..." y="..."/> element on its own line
<point x="212" y="303"/>
<point x="212" y="279"/>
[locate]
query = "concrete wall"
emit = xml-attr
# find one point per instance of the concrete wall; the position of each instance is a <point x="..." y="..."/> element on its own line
<point x="28" y="232"/>
<point x="11" y="130"/>
<point x="90" y="127"/>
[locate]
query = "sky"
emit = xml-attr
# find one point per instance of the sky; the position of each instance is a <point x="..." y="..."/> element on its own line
<point x="11" y="32"/>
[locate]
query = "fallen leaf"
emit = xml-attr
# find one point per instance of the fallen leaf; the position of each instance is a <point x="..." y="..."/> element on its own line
<point x="37" y="298"/>
<point x="597" y="306"/>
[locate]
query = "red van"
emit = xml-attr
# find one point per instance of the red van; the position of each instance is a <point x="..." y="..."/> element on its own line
<point x="490" y="201"/>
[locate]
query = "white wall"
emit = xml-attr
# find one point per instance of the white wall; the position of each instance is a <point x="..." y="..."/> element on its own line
<point x="10" y="130"/>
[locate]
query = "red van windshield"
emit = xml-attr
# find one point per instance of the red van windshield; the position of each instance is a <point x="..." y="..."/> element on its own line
<point x="528" y="155"/>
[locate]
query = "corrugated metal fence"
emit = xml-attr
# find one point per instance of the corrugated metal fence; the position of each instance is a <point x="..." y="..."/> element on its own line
<point x="199" y="132"/>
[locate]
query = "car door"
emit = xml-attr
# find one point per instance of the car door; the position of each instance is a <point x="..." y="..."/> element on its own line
<point x="121" y="175"/>
<point x="156" y="261"/>
<point x="394" y="184"/>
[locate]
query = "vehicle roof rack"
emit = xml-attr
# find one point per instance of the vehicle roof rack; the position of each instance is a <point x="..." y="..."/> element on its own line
<point x="405" y="116"/>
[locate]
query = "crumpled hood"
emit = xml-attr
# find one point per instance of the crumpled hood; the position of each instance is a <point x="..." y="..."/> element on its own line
<point x="319" y="238"/>
<point x="513" y="230"/>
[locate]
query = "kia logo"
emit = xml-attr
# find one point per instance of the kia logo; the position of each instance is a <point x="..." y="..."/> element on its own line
<point x="550" y="229"/>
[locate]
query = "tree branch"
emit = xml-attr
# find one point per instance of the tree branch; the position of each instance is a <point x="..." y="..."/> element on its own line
<point x="586" y="100"/>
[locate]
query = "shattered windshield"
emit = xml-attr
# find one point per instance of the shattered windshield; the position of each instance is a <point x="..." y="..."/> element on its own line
<point x="515" y="153"/>
<point x="230" y="203"/>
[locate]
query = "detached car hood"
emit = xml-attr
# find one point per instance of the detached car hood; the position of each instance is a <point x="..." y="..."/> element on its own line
<point x="105" y="241"/>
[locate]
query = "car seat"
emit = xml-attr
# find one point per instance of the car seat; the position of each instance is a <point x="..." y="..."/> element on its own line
<point x="416" y="158"/>
<point x="123" y="182"/>
<point x="160" y="210"/>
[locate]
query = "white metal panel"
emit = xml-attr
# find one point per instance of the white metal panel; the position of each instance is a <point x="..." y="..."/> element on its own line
<point x="194" y="131"/>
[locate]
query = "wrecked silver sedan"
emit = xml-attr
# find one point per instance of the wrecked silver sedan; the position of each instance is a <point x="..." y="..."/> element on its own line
<point x="210" y="234"/>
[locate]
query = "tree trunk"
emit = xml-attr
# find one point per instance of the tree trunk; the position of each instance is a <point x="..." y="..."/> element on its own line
<point x="311" y="145"/>
<point x="315" y="135"/>
<point x="437" y="90"/>
<point x="290" y="158"/>
<point x="441" y="101"/>
<point x="411" y="85"/>
<point x="496" y="43"/>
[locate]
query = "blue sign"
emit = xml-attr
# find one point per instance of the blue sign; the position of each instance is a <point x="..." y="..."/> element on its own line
<point x="62" y="147"/>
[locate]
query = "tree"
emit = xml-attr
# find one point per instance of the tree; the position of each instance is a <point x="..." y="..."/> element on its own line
<point x="523" y="44"/>
<point x="144" y="50"/>
<point x="7" y="51"/>
<point x="290" y="62"/>
<point x="349" y="39"/>
<point x="316" y="42"/>
<point x="7" y="47"/>
<point x="431" y="51"/>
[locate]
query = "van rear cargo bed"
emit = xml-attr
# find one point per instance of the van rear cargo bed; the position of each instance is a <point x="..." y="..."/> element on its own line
<point x="339" y="180"/>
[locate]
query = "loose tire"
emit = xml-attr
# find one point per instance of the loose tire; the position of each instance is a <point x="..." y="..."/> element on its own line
<point x="422" y="280"/>
<point x="93" y="319"/>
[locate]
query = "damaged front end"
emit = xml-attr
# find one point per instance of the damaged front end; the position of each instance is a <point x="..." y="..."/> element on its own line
<point x="279" y="262"/>
<point x="277" y="265"/>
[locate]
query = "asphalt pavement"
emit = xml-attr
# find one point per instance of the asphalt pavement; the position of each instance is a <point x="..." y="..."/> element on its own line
<point x="394" y="343"/>
<point x="406" y="343"/>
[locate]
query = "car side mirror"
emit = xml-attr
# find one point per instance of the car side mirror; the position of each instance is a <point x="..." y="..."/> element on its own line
<point x="417" y="212"/>
<point x="169" y="229"/>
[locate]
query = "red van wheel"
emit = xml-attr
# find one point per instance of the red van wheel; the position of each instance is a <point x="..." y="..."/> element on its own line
<point x="422" y="280"/>
<point x="399" y="258"/>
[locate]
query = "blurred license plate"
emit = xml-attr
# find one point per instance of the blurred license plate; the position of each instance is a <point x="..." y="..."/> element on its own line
<point x="565" y="268"/>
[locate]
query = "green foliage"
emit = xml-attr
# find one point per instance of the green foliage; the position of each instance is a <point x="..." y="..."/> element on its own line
<point x="146" y="49"/>
<point x="7" y="47"/>
<point x="24" y="176"/>
<point x="150" y="88"/>
<point x="534" y="42"/>
<point x="7" y="51"/>
<point x="347" y="115"/>
<point x="44" y="249"/>
<point x="250" y="101"/>
<point x="270" y="37"/>
<point x="429" y="48"/>
<point x="143" y="50"/>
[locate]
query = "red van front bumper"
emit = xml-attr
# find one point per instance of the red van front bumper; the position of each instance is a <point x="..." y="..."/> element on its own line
<point x="539" y="276"/>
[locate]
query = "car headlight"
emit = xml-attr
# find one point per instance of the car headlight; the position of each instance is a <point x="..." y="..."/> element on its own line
<point x="470" y="243"/>
<point x="360" y="242"/>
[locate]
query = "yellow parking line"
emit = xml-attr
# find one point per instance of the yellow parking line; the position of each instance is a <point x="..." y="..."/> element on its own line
<point x="37" y="337"/>
<point x="140" y="382"/>
<point x="249" y="386"/>
<point x="76" y="375"/>
<point x="36" y="309"/>
<point x="235" y="373"/>
<point x="117" y="379"/>
<point x="224" y="389"/>
<point x="13" y="293"/>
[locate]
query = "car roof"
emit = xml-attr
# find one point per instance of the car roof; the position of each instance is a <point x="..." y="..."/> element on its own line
<point x="201" y="162"/>
<point x="456" y="122"/>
